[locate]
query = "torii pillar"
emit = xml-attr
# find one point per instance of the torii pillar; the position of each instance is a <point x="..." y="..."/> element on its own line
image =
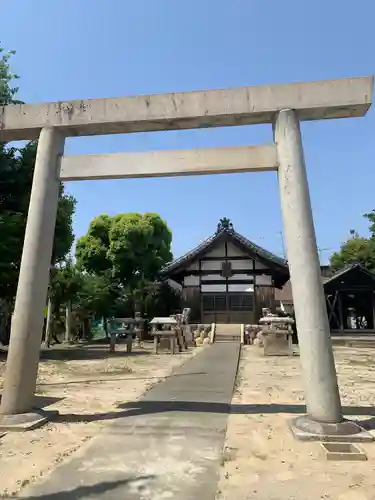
<point x="324" y="419"/>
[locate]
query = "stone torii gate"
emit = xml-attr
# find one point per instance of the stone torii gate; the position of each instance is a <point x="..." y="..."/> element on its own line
<point x="284" y="106"/>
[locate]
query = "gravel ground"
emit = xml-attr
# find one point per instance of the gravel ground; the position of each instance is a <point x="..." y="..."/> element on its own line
<point x="263" y="461"/>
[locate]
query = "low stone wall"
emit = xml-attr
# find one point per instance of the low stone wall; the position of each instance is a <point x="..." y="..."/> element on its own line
<point x="201" y="334"/>
<point x="252" y="334"/>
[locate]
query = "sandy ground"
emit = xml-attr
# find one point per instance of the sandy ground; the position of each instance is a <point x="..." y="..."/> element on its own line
<point x="86" y="385"/>
<point x="263" y="461"/>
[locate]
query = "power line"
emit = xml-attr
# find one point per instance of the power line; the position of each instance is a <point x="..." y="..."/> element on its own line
<point x="319" y="249"/>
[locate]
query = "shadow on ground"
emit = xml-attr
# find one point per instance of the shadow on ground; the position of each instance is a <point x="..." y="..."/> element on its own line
<point x="139" y="408"/>
<point x="86" y="352"/>
<point x="95" y="489"/>
<point x="43" y="401"/>
<point x="83" y="352"/>
<point x="112" y="378"/>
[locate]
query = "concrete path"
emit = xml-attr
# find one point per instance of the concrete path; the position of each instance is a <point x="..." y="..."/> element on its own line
<point x="166" y="446"/>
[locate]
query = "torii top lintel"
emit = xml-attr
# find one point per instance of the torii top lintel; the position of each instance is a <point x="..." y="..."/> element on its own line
<point x="342" y="98"/>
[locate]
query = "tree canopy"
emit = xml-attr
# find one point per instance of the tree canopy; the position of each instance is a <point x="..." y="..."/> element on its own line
<point x="97" y="296"/>
<point x="131" y="247"/>
<point x="7" y="91"/>
<point x="357" y="249"/>
<point x="65" y="284"/>
<point x="16" y="174"/>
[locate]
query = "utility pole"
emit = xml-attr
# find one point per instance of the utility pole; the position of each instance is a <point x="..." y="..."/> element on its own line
<point x="320" y="250"/>
<point x="282" y="243"/>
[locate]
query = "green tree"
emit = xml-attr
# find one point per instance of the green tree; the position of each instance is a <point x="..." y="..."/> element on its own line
<point x="92" y="250"/>
<point x="7" y="91"/>
<point x="97" y="298"/>
<point x="75" y="294"/>
<point x="162" y="300"/>
<point x="357" y="249"/>
<point x="16" y="171"/>
<point x="370" y="216"/>
<point x="16" y="174"/>
<point x="66" y="283"/>
<point x="131" y="247"/>
<point x="97" y="295"/>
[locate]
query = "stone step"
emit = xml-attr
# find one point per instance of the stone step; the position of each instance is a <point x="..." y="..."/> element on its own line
<point x="227" y="332"/>
<point x="353" y="342"/>
<point x="227" y="338"/>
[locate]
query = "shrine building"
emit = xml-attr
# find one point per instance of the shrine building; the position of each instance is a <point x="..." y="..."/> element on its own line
<point x="228" y="278"/>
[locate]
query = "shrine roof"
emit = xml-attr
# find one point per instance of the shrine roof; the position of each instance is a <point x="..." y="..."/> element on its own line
<point x="273" y="261"/>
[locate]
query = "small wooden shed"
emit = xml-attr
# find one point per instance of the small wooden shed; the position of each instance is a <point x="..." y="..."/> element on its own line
<point x="350" y="301"/>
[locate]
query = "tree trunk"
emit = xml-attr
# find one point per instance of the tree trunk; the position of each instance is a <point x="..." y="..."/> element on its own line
<point x="85" y="328"/>
<point x="47" y="339"/>
<point x="105" y="326"/>
<point x="68" y="322"/>
<point x="5" y="320"/>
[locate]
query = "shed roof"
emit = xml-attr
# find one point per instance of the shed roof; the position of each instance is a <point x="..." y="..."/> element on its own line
<point x="354" y="276"/>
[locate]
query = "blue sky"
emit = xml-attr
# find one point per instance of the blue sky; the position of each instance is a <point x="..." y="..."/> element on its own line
<point x="73" y="49"/>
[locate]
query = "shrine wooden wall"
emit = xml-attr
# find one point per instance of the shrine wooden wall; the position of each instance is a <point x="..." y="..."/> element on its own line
<point x="226" y="285"/>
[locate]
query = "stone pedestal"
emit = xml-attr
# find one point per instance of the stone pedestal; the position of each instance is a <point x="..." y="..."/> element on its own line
<point x="164" y="344"/>
<point x="277" y="335"/>
<point x="306" y="429"/>
<point x="169" y="329"/>
<point x="28" y="421"/>
<point x="277" y="343"/>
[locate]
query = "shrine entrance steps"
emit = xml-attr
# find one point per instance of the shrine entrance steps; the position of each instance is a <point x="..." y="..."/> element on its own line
<point x="167" y="445"/>
<point x="228" y="332"/>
